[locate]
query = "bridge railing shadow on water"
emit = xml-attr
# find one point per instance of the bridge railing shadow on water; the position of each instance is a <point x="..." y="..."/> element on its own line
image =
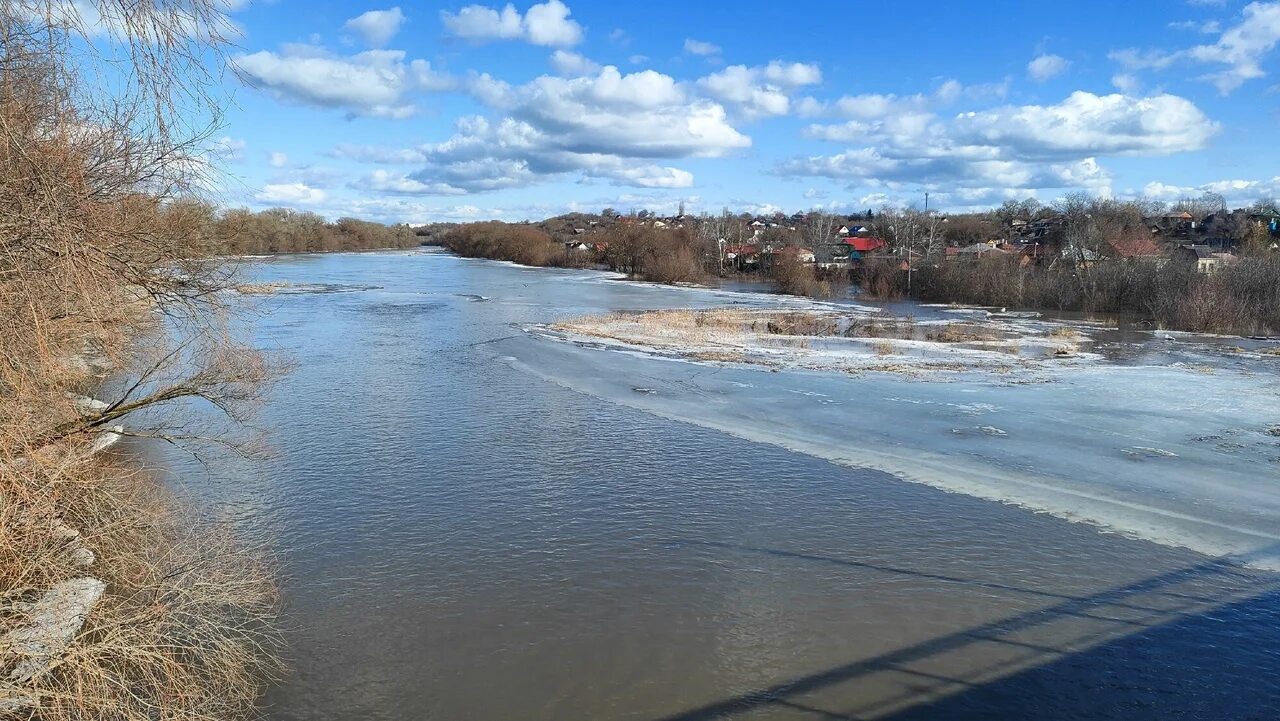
<point x="1200" y="642"/>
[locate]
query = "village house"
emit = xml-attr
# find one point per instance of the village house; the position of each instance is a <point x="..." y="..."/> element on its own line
<point x="1207" y="260"/>
<point x="856" y="248"/>
<point x="1176" y="222"/>
<point x="975" y="251"/>
<point x="1079" y="256"/>
<point x="1269" y="218"/>
<point x="742" y="257"/>
<point x="1135" y="247"/>
<point x="804" y="255"/>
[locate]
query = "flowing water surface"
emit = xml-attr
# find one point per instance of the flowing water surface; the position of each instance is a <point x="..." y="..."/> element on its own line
<point x="476" y="522"/>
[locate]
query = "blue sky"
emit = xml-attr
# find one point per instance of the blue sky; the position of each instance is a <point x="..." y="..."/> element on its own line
<point x="447" y="111"/>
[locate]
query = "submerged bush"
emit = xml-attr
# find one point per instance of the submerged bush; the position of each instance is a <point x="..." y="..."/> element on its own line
<point x="793" y="277"/>
<point x="503" y="241"/>
<point x="1240" y="297"/>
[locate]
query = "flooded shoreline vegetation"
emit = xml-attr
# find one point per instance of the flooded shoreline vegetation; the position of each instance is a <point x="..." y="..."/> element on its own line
<point x="115" y="600"/>
<point x="659" y="255"/>
<point x="1198" y="267"/>
<point x="791" y="275"/>
<point x="502" y="241"/>
<point x="1083" y="254"/>
<point x="654" y="252"/>
<point x="827" y="340"/>
<point x="1242" y="298"/>
<point x="262" y="288"/>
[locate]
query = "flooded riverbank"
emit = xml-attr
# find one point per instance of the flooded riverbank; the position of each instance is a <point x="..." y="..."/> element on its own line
<point x="474" y="521"/>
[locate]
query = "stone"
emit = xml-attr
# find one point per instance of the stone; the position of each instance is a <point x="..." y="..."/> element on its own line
<point x="55" y="620"/>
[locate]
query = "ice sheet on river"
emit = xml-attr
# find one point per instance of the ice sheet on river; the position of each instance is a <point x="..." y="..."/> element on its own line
<point x="1175" y="454"/>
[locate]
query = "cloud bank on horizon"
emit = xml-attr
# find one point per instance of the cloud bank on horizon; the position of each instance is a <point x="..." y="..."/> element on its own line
<point x="472" y="111"/>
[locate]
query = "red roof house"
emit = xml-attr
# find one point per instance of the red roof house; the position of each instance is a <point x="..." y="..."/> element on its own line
<point x="863" y="245"/>
<point x="1135" y="246"/>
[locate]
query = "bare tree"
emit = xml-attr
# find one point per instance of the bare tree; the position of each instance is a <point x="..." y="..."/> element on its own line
<point x="820" y="229"/>
<point x="912" y="235"/>
<point x="709" y="232"/>
<point x="1199" y="207"/>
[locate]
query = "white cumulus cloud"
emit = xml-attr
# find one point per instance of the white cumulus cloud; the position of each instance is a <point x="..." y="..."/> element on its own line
<point x="1239" y="51"/>
<point x="1236" y="192"/>
<point x="567" y="62"/>
<point x="376" y="27"/>
<point x="760" y="91"/>
<point x="701" y="47"/>
<point x="1045" y="67"/>
<point x="1009" y="148"/>
<point x="545" y="24"/>
<point x="228" y="148"/>
<point x="372" y="83"/>
<point x="607" y="126"/>
<point x="290" y="194"/>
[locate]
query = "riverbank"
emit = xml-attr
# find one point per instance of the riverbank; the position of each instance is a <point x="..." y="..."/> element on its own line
<point x="116" y="600"/>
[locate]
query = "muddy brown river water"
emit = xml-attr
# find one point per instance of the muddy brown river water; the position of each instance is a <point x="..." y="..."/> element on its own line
<point x="460" y="538"/>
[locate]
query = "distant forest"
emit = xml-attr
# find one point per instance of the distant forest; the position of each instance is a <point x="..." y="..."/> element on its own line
<point x="280" y="230"/>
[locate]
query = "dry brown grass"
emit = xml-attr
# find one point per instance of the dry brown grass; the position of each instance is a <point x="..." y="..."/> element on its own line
<point x="97" y="259"/>
<point x="720" y="356"/>
<point x="962" y="333"/>
<point x="690" y="326"/>
<point x="1064" y="332"/>
<point x="762" y="337"/>
<point x="181" y="631"/>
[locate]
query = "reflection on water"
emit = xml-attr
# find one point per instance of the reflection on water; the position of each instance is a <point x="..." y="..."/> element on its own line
<point x="463" y="540"/>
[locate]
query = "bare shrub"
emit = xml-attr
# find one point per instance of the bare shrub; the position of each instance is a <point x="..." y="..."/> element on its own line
<point x="793" y="277"/>
<point x="882" y="278"/>
<point x="1241" y="297"/>
<point x="284" y="230"/>
<point x="102" y="268"/>
<point x="180" y="634"/>
<point x="503" y="241"/>
<point x="661" y="255"/>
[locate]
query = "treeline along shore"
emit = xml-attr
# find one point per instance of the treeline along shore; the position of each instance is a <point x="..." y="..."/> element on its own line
<point x="239" y="231"/>
<point x="1194" y="265"/>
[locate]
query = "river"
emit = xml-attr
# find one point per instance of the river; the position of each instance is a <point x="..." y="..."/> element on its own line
<point x="472" y="521"/>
